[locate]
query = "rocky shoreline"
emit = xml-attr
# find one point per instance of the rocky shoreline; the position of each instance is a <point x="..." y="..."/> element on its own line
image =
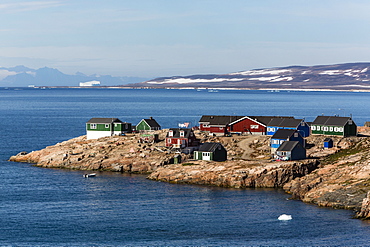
<point x="337" y="177"/>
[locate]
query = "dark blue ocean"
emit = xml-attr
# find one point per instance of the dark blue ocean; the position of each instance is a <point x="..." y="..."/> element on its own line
<point x="54" y="207"/>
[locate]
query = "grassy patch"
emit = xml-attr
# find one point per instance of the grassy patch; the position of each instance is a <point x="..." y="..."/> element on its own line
<point x="340" y="155"/>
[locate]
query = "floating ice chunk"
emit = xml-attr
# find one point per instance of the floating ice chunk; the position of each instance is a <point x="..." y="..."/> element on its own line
<point x="285" y="217"/>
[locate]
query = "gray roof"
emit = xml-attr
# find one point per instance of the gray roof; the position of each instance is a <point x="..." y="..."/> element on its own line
<point x="104" y="120"/>
<point x="331" y="120"/>
<point x="218" y="120"/>
<point x="210" y="147"/>
<point x="266" y="119"/>
<point x="284" y="134"/>
<point x="285" y="122"/>
<point x="288" y="145"/>
<point x="152" y="123"/>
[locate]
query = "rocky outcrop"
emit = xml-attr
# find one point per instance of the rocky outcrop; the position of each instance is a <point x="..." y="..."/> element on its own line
<point x="118" y="153"/>
<point x="236" y="174"/>
<point x="337" y="177"/>
<point x="342" y="181"/>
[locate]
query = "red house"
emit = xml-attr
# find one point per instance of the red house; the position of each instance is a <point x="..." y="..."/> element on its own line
<point x="217" y="125"/>
<point x="181" y="138"/>
<point x="249" y="125"/>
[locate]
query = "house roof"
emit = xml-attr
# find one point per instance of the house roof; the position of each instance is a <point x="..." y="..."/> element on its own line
<point x="104" y="120"/>
<point x="176" y="133"/>
<point x="285" y="122"/>
<point x="284" y="134"/>
<point x="288" y="145"/>
<point x="331" y="120"/>
<point x="210" y="147"/>
<point x="151" y="122"/>
<point x="266" y="119"/>
<point x="218" y="120"/>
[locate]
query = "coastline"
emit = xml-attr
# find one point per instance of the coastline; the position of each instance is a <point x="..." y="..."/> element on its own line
<point x="276" y="89"/>
<point x="333" y="178"/>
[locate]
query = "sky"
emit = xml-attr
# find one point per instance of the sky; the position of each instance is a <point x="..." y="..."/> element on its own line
<point x="154" y="38"/>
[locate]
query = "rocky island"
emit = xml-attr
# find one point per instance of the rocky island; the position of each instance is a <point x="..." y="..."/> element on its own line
<point x="338" y="177"/>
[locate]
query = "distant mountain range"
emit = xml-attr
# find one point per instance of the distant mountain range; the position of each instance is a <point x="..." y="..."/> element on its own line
<point x="348" y="76"/>
<point x="21" y="76"/>
<point x="339" y="76"/>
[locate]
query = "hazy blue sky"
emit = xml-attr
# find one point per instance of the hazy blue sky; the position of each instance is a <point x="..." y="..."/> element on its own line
<point x="151" y="38"/>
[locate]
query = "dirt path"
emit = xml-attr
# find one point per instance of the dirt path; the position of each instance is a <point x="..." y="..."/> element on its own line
<point x="245" y="145"/>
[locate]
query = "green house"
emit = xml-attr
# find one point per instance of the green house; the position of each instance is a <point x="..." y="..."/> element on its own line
<point x="211" y="151"/>
<point x="148" y="124"/>
<point x="333" y="125"/>
<point x="102" y="127"/>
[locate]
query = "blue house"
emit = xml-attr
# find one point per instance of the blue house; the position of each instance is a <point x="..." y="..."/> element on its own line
<point x="288" y="123"/>
<point x="283" y="135"/>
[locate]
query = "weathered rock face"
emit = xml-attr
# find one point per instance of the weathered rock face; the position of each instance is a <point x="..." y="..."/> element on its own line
<point x="342" y="181"/>
<point x="119" y="153"/>
<point x="237" y="174"/>
<point x="364" y="212"/>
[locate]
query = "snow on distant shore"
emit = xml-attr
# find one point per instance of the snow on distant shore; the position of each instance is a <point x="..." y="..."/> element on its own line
<point x="188" y="80"/>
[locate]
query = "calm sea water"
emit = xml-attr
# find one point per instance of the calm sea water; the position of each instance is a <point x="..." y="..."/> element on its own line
<point x="52" y="207"/>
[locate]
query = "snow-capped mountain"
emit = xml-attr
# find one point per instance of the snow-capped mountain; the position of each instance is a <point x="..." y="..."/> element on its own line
<point x="339" y="76"/>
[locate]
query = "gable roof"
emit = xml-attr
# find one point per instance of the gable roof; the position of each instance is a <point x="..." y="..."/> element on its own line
<point x="218" y="120"/>
<point x="151" y="122"/>
<point x="210" y="147"/>
<point x="284" y="134"/>
<point x="331" y="120"/>
<point x="176" y="133"/>
<point x="288" y="145"/>
<point x="104" y="120"/>
<point x="285" y="122"/>
<point x="266" y="119"/>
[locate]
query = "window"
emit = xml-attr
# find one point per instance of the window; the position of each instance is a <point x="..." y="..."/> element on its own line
<point x="318" y="127"/>
<point x="296" y="134"/>
<point x="254" y="126"/>
<point x="92" y="126"/>
<point x="170" y="133"/>
<point x="107" y="126"/>
<point x="313" y="127"/>
<point x="182" y="133"/>
<point x="330" y="128"/>
<point x="335" y="129"/>
<point x="205" y="126"/>
<point x="340" y="129"/>
<point x="325" y="128"/>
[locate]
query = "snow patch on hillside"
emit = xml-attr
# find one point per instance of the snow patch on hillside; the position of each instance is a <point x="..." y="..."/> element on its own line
<point x="4" y="73"/>
<point x="262" y="72"/>
<point x="189" y="80"/>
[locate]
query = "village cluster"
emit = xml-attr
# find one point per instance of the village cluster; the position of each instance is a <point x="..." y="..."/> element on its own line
<point x="287" y="133"/>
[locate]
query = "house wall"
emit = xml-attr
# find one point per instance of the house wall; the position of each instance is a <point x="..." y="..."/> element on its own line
<point x="142" y="126"/>
<point x="298" y="153"/>
<point x="220" y="155"/>
<point x="249" y="126"/>
<point x="327" y="130"/>
<point x="304" y="129"/>
<point x="212" y="129"/>
<point x="97" y="134"/>
<point x="171" y="141"/>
